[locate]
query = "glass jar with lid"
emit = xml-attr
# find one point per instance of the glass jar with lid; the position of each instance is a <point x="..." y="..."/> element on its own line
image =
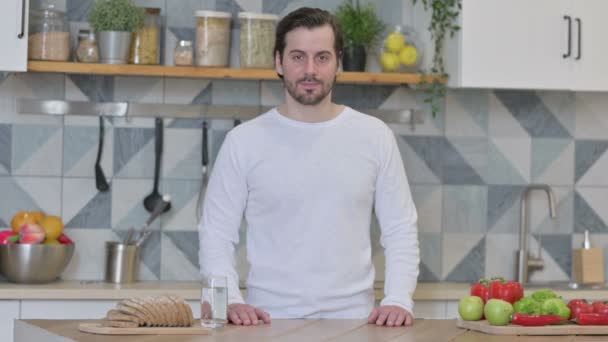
<point x="183" y="53"/>
<point x="49" y="35"/>
<point x="257" y="39"/>
<point x="145" y="43"/>
<point x="87" y="50"/>
<point x="212" y="38"/>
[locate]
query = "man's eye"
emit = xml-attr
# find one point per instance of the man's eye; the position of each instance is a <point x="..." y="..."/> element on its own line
<point x="297" y="57"/>
<point x="323" y="58"/>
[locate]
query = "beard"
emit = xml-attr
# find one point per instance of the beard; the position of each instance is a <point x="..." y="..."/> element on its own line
<point x="308" y="97"/>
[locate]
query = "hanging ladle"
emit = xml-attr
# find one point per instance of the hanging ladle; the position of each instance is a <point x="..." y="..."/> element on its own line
<point x="155" y="198"/>
<point x="100" y="178"/>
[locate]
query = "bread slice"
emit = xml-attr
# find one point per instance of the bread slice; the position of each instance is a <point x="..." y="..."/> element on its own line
<point x="143" y="303"/>
<point x="116" y="315"/>
<point x="182" y="316"/>
<point x="126" y="309"/>
<point x="171" y="311"/>
<point x="118" y="324"/>
<point x="189" y="313"/>
<point x="153" y="306"/>
<point x="137" y="303"/>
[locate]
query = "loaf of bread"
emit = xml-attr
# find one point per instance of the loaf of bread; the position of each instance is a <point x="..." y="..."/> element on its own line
<point x="156" y="311"/>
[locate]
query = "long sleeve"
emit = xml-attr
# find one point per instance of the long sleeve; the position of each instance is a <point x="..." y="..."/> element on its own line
<point x="399" y="234"/>
<point x="223" y="207"/>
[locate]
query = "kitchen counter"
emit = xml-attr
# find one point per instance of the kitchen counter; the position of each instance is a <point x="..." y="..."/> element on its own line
<point x="98" y="290"/>
<point x="285" y="330"/>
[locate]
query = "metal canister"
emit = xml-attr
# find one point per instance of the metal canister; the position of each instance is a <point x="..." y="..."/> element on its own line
<point x="122" y="262"/>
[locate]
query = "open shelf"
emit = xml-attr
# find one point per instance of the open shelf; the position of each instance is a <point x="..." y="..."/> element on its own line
<point x="212" y="73"/>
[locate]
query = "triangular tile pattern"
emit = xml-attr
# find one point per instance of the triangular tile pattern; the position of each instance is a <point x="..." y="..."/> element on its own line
<point x="151" y="253"/>
<point x="188" y="243"/>
<point x="472" y="267"/>
<point x="231" y="6"/>
<point x="97" y="213"/>
<point x="563" y="222"/>
<point x="500" y="169"/>
<point x="96" y="88"/>
<point x="175" y="265"/>
<point x="6" y="147"/>
<point x="183" y="193"/>
<point x="586" y="153"/>
<point x="29" y="139"/>
<point x="559" y="247"/>
<point x="183" y="33"/>
<point x="468" y="113"/>
<point x="456" y="168"/>
<point x="532" y="114"/>
<point x="545" y="152"/>
<point x="361" y="97"/>
<point x="430" y="252"/>
<point x="585" y="218"/>
<point x="77" y="141"/>
<point x="429" y="150"/>
<point x="127" y="142"/>
<point x="500" y="199"/>
<point x="14" y="199"/>
<point x="78" y="10"/>
<point x="426" y="274"/>
<point x="203" y="97"/>
<point x="274" y="6"/>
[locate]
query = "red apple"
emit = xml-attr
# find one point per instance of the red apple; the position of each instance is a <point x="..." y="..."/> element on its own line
<point x="31" y="233"/>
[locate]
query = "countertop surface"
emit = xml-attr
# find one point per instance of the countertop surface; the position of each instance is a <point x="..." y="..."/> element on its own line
<point x="99" y="290"/>
<point x="285" y="330"/>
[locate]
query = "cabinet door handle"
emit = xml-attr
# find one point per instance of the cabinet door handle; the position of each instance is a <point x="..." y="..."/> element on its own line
<point x="580" y="29"/>
<point x="22" y="33"/>
<point x="569" y="20"/>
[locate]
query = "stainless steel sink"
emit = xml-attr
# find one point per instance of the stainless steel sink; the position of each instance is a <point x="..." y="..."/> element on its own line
<point x="565" y="285"/>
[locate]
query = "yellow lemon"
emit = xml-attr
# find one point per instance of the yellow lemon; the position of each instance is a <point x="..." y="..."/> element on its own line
<point x="408" y="56"/>
<point x="395" y="42"/>
<point x="389" y="61"/>
<point x="53" y="227"/>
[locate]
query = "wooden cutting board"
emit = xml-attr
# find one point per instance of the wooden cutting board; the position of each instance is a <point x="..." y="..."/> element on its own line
<point x="96" y="328"/>
<point x="565" y="329"/>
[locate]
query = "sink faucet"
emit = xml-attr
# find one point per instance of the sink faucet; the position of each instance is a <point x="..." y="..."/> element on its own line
<point x="525" y="262"/>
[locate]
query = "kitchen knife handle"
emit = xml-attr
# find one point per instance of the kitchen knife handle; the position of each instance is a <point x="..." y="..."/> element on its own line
<point x="569" y="20"/>
<point x="205" y="146"/>
<point x="22" y="33"/>
<point x="580" y="29"/>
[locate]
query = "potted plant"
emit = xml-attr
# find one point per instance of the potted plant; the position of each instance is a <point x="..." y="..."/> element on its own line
<point x="114" y="21"/>
<point x="361" y="28"/>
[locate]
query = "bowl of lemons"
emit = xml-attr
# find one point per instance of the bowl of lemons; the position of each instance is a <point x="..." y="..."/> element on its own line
<point x="401" y="51"/>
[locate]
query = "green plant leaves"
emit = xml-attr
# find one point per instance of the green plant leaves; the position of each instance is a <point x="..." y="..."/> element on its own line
<point x="116" y="15"/>
<point x="359" y="24"/>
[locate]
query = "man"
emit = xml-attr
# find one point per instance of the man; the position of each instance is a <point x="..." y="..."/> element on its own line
<point x="306" y="175"/>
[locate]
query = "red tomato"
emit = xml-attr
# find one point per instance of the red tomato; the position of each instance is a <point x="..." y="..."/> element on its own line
<point x="579" y="306"/>
<point x="600" y="307"/>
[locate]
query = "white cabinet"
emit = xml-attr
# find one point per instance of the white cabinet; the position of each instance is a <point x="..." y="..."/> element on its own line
<point x="13" y="34"/>
<point x="65" y="309"/>
<point x="9" y="312"/>
<point x="529" y="44"/>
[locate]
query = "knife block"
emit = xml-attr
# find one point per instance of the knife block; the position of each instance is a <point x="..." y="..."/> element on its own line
<point x="588" y="265"/>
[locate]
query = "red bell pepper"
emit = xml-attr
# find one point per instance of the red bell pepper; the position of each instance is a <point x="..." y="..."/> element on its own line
<point x="579" y="306"/>
<point x="592" y="319"/>
<point x="509" y="291"/>
<point x="600" y="307"/>
<point x="480" y="289"/>
<point x="536" y="320"/>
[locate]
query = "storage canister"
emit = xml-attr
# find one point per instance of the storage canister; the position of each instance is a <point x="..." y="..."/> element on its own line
<point x="87" y="50"/>
<point x="145" y="43"/>
<point x="257" y="39"/>
<point x="212" y="38"/>
<point x="49" y="37"/>
<point x="182" y="55"/>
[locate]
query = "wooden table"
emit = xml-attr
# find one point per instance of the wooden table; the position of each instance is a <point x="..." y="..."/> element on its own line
<point x="287" y="330"/>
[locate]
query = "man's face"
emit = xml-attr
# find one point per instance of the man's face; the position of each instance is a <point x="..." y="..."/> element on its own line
<point x="309" y="66"/>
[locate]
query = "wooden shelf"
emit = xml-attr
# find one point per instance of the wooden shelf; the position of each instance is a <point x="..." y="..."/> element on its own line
<point x="212" y="73"/>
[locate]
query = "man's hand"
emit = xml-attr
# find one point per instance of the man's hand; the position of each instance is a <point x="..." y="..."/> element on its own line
<point x="390" y="315"/>
<point x="245" y="314"/>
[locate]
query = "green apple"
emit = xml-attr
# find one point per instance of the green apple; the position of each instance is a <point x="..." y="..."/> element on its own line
<point x="498" y="312"/>
<point x="470" y="308"/>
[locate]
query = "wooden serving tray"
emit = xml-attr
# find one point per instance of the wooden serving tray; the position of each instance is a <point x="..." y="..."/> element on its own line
<point x="96" y="328"/>
<point x="511" y="329"/>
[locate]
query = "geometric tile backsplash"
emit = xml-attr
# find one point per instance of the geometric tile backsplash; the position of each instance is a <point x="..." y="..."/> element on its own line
<point x="467" y="167"/>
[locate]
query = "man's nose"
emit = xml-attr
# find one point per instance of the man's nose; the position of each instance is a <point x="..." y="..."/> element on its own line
<point x="311" y="68"/>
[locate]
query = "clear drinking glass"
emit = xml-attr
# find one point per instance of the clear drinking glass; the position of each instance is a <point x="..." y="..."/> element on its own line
<point x="214" y="302"/>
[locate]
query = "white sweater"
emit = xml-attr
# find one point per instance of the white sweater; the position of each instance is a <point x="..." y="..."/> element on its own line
<point x="307" y="191"/>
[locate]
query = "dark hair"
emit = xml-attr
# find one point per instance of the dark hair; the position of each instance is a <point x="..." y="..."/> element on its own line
<point x="309" y="18"/>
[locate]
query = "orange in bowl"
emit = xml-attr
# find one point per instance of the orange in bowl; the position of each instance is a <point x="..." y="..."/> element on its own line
<point x="20" y="219"/>
<point x="52" y="226"/>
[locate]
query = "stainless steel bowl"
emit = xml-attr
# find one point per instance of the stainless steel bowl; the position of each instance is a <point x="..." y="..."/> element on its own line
<point x="34" y="264"/>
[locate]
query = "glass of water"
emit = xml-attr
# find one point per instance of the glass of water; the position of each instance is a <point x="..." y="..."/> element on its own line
<point x="214" y="302"/>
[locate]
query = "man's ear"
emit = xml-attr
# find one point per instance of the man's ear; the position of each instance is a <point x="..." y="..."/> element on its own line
<point x="278" y="65"/>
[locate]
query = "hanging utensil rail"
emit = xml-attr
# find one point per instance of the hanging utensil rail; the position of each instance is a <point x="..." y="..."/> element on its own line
<point x="187" y="111"/>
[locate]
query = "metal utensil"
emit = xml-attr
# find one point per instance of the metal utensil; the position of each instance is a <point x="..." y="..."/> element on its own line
<point x="160" y="208"/>
<point x="153" y="199"/>
<point x="100" y="179"/>
<point x="34" y="263"/>
<point x="205" y="163"/>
